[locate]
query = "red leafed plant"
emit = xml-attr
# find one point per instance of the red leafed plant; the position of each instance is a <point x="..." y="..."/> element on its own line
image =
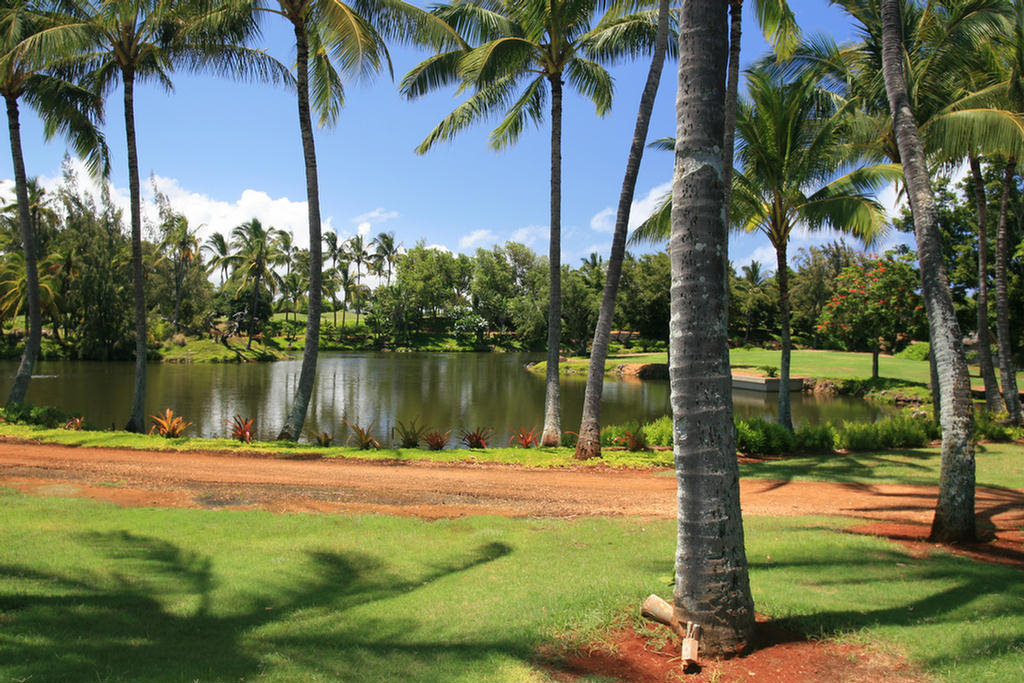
<point x="436" y="440"/>
<point x="476" y="438"/>
<point x="633" y="440"/>
<point x="169" y="425"/>
<point x="363" y="437"/>
<point x="242" y="429"/>
<point x="75" y="424"/>
<point x="525" y="439"/>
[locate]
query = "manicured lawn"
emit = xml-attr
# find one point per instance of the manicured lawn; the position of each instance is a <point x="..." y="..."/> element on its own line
<point x="209" y="351"/>
<point x="90" y="591"/>
<point x="999" y="465"/>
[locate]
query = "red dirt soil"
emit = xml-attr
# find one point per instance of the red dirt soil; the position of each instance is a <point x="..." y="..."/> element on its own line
<point x="432" y="490"/>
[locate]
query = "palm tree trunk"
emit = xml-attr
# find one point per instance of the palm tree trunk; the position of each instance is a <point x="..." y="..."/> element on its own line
<point x="954" y="511"/>
<point x="1011" y="396"/>
<point x="782" y="276"/>
<point x="307" y="375"/>
<point x="589" y="443"/>
<point x="28" y="242"/>
<point x="254" y="302"/>
<point x="136" y="419"/>
<point x="874" y="362"/>
<point x="179" y="275"/>
<point x="711" y="581"/>
<point x="993" y="402"/>
<point x="552" y="434"/>
<point x="731" y="102"/>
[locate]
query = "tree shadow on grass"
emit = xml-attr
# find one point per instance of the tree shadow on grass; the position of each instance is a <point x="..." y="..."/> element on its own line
<point x="850" y="468"/>
<point x="150" y="616"/>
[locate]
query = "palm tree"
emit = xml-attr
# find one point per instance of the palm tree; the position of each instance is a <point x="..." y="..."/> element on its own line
<point x="333" y="39"/>
<point x="64" y="107"/>
<point x="255" y="255"/>
<point x="791" y="148"/>
<point x="347" y="285"/>
<point x="219" y="250"/>
<point x="711" y="580"/>
<point x="386" y="251"/>
<point x="588" y="445"/>
<point x="954" y="512"/>
<point x="513" y="55"/>
<point x="125" y="42"/>
<point x="357" y="252"/>
<point x="285" y="246"/>
<point x="753" y="281"/>
<point x="334" y="251"/>
<point x="181" y="245"/>
<point x="993" y="401"/>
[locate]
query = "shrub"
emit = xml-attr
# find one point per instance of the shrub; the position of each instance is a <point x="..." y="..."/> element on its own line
<point x="525" y="439"/>
<point x="75" y="424"/>
<point x="659" y="432"/>
<point x="633" y="438"/>
<point x="409" y="435"/>
<point x="569" y="439"/>
<point x="757" y="436"/>
<point x="169" y="425"/>
<point x="178" y="339"/>
<point x="321" y="439"/>
<point x="43" y="416"/>
<point x="611" y="433"/>
<point x="769" y="370"/>
<point x="858" y="436"/>
<point x="916" y="351"/>
<point x="363" y="438"/>
<point x="994" y="427"/>
<point x="436" y="440"/>
<point x="476" y="438"/>
<point x="242" y="428"/>
<point x="815" y="438"/>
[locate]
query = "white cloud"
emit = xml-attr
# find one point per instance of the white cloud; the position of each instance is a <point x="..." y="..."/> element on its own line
<point x="378" y="215"/>
<point x="438" y="247"/>
<point x="364" y="228"/>
<point x="765" y="255"/>
<point x="641" y="210"/>
<point x="477" y="238"/>
<point x="529" y="235"/>
<point x="207" y="214"/>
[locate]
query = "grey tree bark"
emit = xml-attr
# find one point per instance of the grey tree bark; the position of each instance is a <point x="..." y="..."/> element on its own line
<point x="589" y="443"/>
<point x="993" y="401"/>
<point x="307" y="374"/>
<point x="137" y="417"/>
<point x="28" y="240"/>
<point x="954" y="512"/>
<point x="711" y="581"/>
<point x="1007" y="373"/>
<point x="552" y="433"/>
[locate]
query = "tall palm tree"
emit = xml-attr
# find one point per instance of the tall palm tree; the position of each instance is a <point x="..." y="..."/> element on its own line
<point x="993" y="401"/>
<point x="588" y="445"/>
<point x="511" y="56"/>
<point x="219" y="249"/>
<point x="333" y="39"/>
<point x="346" y="284"/>
<point x="285" y="245"/>
<point x="711" y="580"/>
<point x="954" y="512"/>
<point x="126" y="42"/>
<point x="333" y="251"/>
<point x="753" y="281"/>
<point x="255" y="255"/>
<point x="796" y="171"/>
<point x="357" y="251"/>
<point x="65" y="107"/>
<point x="386" y="250"/>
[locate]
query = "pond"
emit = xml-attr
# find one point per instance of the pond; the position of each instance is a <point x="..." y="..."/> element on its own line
<point x="449" y="391"/>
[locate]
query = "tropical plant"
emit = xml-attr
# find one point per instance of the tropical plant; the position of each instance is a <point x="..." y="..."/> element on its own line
<point x="334" y="250"/>
<point x="715" y="594"/>
<point x="633" y="438"/>
<point x="242" y="428"/>
<point x="512" y="55"/>
<point x="436" y="440"/>
<point x="321" y="439"/>
<point x="525" y="439"/>
<point x="169" y="425"/>
<point x="476" y="438"/>
<point x="125" y="42"/>
<point x="220" y="251"/>
<point x="362" y="436"/>
<point x="75" y="424"/>
<point x="386" y="251"/>
<point x="410" y="435"/>
<point x="954" y="511"/>
<point x="180" y="244"/>
<point x="26" y="75"/>
<point x="254" y="257"/>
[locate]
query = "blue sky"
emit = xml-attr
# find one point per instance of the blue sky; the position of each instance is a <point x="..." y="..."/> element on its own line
<point x="226" y="151"/>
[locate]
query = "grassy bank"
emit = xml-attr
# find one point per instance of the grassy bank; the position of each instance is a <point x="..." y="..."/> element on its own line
<point x="192" y="595"/>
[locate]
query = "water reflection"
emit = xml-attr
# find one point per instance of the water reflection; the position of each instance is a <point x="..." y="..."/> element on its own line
<point x="442" y="390"/>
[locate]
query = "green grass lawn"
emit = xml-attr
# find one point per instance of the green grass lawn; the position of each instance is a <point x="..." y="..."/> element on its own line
<point x="209" y="351"/>
<point x="191" y="595"/>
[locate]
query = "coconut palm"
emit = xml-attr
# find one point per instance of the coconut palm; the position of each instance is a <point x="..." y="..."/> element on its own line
<point x="219" y="249"/>
<point x="386" y="250"/>
<point x="65" y="107"/>
<point x="255" y="255"/>
<point x="333" y="40"/>
<point x="357" y="252"/>
<point x="798" y="172"/>
<point x="993" y="401"/>
<point x="954" y="512"/>
<point x="346" y="285"/>
<point x="285" y="246"/>
<point x="511" y="57"/>
<point x="127" y="42"/>
<point x="711" y="580"/>
<point x="181" y="245"/>
<point x="333" y="250"/>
